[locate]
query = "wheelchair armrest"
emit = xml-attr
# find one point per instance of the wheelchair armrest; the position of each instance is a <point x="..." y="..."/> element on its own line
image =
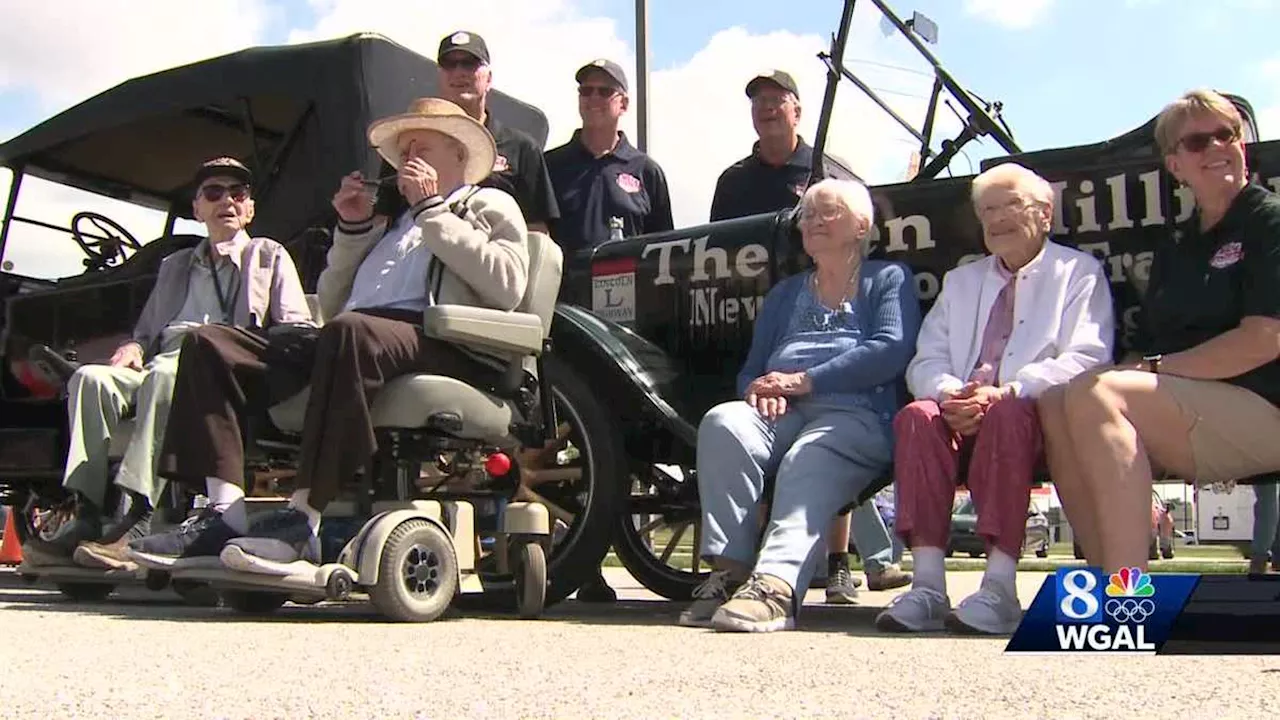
<point x="486" y="328"/>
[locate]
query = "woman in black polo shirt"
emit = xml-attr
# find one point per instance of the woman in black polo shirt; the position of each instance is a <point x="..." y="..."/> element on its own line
<point x="1201" y="403"/>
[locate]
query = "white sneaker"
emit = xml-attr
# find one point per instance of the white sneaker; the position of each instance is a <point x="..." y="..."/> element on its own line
<point x="990" y="611"/>
<point x="708" y="597"/>
<point x="919" y="609"/>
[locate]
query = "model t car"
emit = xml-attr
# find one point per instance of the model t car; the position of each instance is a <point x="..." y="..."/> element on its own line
<point x="653" y="338"/>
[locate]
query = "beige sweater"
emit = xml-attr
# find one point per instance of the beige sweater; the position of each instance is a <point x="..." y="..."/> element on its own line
<point x="485" y="256"/>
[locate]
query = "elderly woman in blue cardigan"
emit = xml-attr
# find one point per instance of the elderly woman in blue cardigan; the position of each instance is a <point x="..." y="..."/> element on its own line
<point x="819" y="391"/>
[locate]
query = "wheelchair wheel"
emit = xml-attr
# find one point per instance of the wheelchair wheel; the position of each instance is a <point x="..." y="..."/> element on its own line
<point x="529" y="563"/>
<point x="579" y="478"/>
<point x="86" y="592"/>
<point x="417" y="573"/>
<point x="252" y="602"/>
<point x="657" y="533"/>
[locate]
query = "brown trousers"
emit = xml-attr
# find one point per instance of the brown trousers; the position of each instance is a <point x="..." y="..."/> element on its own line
<point x="223" y="375"/>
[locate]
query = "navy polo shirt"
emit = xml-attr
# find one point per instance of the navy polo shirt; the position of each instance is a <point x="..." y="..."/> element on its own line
<point x="521" y="172"/>
<point x="751" y="186"/>
<point x="1203" y="283"/>
<point x="623" y="183"/>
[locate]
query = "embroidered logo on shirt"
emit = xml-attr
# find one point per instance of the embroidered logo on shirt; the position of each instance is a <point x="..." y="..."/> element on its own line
<point x="500" y="164"/>
<point x="1227" y="255"/>
<point x="628" y="183"/>
<point x="799" y="189"/>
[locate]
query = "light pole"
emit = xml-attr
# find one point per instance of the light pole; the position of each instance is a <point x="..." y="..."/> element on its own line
<point x="642" y="75"/>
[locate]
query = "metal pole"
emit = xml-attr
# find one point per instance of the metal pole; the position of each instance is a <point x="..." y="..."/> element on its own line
<point x="642" y="75"/>
<point x="835" y="68"/>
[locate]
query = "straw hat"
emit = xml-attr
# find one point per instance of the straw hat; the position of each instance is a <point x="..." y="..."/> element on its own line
<point x="444" y="117"/>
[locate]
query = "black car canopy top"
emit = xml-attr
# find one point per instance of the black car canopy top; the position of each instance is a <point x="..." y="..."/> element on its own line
<point x="296" y="114"/>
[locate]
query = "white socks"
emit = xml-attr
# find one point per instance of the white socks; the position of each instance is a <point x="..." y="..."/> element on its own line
<point x="1001" y="569"/>
<point x="300" y="501"/>
<point x="929" y="568"/>
<point x="229" y="499"/>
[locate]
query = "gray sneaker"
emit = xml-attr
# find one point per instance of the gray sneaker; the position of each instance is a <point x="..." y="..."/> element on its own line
<point x="708" y="597"/>
<point x="841" y="590"/>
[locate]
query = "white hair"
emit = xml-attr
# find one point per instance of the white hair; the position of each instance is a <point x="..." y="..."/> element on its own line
<point x="855" y="198"/>
<point x="1016" y="176"/>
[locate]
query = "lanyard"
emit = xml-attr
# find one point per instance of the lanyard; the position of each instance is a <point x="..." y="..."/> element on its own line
<point x="225" y="302"/>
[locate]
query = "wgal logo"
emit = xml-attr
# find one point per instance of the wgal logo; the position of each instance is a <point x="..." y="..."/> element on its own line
<point x="1091" y="618"/>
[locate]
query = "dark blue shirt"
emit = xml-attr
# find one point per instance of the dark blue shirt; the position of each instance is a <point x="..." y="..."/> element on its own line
<point x="624" y="183"/>
<point x="752" y="186"/>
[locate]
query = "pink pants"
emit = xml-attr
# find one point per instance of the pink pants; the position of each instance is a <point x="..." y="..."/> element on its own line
<point x="1002" y="459"/>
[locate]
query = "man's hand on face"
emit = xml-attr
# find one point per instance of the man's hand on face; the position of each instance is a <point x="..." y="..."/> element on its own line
<point x="417" y="180"/>
<point x="128" y="355"/>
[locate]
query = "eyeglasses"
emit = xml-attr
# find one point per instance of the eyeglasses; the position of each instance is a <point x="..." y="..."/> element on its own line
<point x="586" y="91"/>
<point x="468" y="63"/>
<point x="1197" y="142"/>
<point x="214" y="192"/>
<point x="770" y="101"/>
<point x="1014" y="205"/>
<point x="811" y="215"/>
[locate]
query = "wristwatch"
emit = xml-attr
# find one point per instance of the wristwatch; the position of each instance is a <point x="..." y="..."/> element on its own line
<point x="1153" y="363"/>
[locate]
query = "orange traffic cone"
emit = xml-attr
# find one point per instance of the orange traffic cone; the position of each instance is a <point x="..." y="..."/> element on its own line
<point x="10" y="548"/>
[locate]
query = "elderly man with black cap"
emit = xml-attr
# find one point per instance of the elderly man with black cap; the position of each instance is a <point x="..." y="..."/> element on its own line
<point x="774" y="177"/>
<point x="599" y="178"/>
<point x="455" y="244"/>
<point x="229" y="278"/>
<point x="519" y="168"/>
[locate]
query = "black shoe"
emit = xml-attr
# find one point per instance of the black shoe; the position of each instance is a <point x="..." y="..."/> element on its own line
<point x="196" y="542"/>
<point x="136" y="520"/>
<point x="596" y="590"/>
<point x="283" y="536"/>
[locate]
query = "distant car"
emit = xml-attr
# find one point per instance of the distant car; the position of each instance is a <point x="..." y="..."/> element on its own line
<point x="965" y="539"/>
<point x="1162" y="532"/>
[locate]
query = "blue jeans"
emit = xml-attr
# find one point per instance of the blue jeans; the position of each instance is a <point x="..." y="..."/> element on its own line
<point x="877" y="547"/>
<point x="822" y="459"/>
<point x="1266" y="518"/>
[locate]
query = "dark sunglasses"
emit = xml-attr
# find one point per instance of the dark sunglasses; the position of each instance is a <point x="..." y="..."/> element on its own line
<point x="214" y="193"/>
<point x="1197" y="142"/>
<point x="467" y="63"/>
<point x="587" y="91"/>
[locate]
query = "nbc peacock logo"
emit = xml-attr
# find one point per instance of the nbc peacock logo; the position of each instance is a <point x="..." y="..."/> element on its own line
<point x="1130" y="596"/>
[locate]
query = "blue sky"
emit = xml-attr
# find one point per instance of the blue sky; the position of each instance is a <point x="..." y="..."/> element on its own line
<point x="1067" y="71"/>
<point x="1084" y="71"/>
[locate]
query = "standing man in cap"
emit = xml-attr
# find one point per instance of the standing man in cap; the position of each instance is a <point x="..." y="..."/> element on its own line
<point x="230" y="278"/>
<point x="598" y="175"/>
<point x="774" y="177"/>
<point x="776" y="173"/>
<point x="465" y="78"/>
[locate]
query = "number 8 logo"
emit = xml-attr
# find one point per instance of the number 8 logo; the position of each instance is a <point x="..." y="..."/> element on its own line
<point x="1079" y="602"/>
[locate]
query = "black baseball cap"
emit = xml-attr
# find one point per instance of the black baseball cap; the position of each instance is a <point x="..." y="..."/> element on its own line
<point x="776" y="77"/>
<point x="222" y="167"/>
<point x="464" y="41"/>
<point x="608" y="67"/>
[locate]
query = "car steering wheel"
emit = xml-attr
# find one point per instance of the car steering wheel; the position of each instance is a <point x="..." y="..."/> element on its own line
<point x="107" y="252"/>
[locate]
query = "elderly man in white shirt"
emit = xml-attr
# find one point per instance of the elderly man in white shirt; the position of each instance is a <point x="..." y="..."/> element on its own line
<point x="1032" y="315"/>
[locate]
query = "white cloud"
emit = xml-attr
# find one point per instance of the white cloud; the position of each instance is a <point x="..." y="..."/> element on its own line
<point x="699" y="118"/>
<point x="37" y="57"/>
<point x="699" y="115"/>
<point x="1012" y="14"/>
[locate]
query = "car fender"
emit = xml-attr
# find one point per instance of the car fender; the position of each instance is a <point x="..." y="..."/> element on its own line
<point x="628" y="370"/>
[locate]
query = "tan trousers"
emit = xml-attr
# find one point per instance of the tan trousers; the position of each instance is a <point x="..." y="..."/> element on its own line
<point x="98" y="398"/>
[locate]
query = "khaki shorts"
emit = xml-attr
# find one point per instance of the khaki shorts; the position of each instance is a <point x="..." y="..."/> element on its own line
<point x="1235" y="433"/>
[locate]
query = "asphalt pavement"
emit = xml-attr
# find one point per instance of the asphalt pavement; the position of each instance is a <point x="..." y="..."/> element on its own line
<point x="144" y="655"/>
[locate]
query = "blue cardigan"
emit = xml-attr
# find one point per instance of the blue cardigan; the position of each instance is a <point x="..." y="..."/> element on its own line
<point x="889" y="311"/>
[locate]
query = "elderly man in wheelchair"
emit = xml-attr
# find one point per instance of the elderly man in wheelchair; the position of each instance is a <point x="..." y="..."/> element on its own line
<point x="432" y="323"/>
<point x="228" y="278"/>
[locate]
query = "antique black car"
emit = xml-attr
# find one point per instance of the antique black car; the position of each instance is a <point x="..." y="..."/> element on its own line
<point x="661" y="322"/>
